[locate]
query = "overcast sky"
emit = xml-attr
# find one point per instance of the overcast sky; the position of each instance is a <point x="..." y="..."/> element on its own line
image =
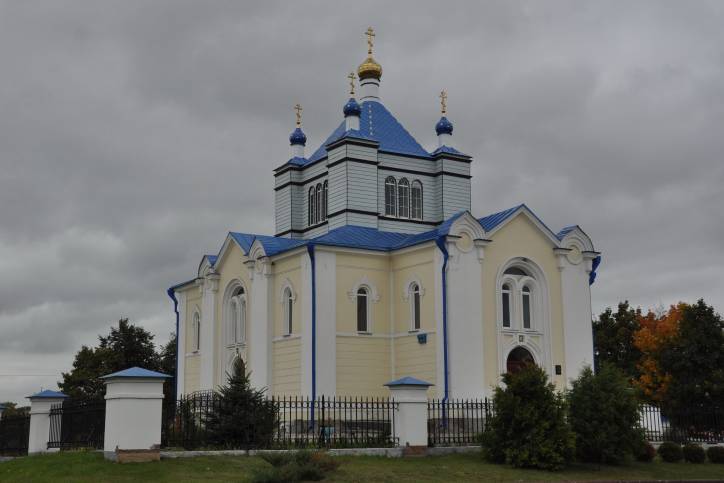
<point x="134" y="135"/>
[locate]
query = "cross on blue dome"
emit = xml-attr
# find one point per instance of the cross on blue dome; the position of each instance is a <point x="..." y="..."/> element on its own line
<point x="297" y="137"/>
<point x="352" y="108"/>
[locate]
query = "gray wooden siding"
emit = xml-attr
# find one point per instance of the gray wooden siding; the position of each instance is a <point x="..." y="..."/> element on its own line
<point x="403" y="227"/>
<point x="361" y="186"/>
<point x="282" y="209"/>
<point x="455" y="195"/>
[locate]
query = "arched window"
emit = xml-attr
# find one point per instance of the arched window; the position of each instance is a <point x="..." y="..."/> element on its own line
<point x="318" y="204"/>
<point x="325" y="188"/>
<point x="390" y="197"/>
<point x="525" y="297"/>
<point x="288" y="305"/>
<point x="310" y="207"/>
<point x="403" y="198"/>
<point x="415" y="305"/>
<point x="416" y="197"/>
<point x="362" y="309"/>
<point x="506" y="304"/>
<point x="196" y="332"/>
<point x="236" y="321"/>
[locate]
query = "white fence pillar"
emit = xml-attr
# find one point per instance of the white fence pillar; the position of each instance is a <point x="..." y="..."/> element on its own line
<point x="134" y="400"/>
<point x="40" y="405"/>
<point x="410" y="419"/>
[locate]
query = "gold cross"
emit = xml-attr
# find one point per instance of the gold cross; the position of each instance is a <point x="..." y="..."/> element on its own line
<point x="298" y="108"/>
<point x="351" y="78"/>
<point x="370" y="35"/>
<point x="443" y="102"/>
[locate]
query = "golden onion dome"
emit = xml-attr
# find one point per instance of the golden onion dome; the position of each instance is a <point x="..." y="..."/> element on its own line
<point x="369" y="69"/>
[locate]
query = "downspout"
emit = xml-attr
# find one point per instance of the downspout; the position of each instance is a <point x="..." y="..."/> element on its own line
<point x="172" y="293"/>
<point x="440" y="241"/>
<point x="310" y="250"/>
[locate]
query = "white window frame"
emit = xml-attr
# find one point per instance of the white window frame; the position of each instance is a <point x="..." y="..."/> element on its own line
<point x="367" y="296"/>
<point x="415" y="310"/>
<point x="416" y="212"/>
<point x="509" y="293"/>
<point x="403" y="198"/>
<point x="325" y="198"/>
<point x="196" y="331"/>
<point x="288" y="301"/>
<point x="390" y="196"/>
<point x="531" y="308"/>
<point x="310" y="206"/>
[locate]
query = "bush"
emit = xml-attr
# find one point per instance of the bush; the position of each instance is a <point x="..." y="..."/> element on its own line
<point x="715" y="454"/>
<point x="528" y="428"/>
<point x="646" y="452"/>
<point x="604" y="415"/>
<point x="292" y="467"/>
<point x="670" y="452"/>
<point x="694" y="453"/>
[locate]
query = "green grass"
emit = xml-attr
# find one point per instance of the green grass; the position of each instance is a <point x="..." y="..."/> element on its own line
<point x="91" y="467"/>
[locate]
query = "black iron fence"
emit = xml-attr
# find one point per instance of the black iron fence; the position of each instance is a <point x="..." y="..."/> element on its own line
<point x="298" y="422"/>
<point x="699" y="425"/>
<point x="14" y="434"/>
<point x="457" y="422"/>
<point x="77" y="424"/>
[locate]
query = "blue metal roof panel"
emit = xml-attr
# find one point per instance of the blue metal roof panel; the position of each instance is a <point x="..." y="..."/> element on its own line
<point x="448" y="150"/>
<point x="137" y="372"/>
<point x="565" y="231"/>
<point x="243" y="239"/>
<point x="491" y="221"/>
<point x="274" y="245"/>
<point x="408" y="381"/>
<point x="377" y="124"/>
<point x="47" y="394"/>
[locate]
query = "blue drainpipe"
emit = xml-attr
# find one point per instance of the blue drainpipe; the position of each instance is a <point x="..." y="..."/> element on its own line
<point x="172" y="293"/>
<point x="310" y="250"/>
<point x="441" y="245"/>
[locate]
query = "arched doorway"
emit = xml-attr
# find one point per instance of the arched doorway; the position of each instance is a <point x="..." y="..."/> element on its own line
<point x="519" y="358"/>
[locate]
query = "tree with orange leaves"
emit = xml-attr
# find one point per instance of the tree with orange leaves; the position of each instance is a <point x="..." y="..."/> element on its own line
<point x="655" y="332"/>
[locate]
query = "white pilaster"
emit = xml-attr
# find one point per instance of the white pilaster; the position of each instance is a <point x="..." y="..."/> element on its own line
<point x="40" y="405"/>
<point x="261" y="325"/>
<point x="208" y="317"/>
<point x="306" y="300"/>
<point x="439" y="334"/>
<point x="577" y="325"/>
<point x="326" y="323"/>
<point x="351" y="122"/>
<point x="465" y="321"/>
<point x="181" y="348"/>
<point x="133" y="410"/>
<point x="444" y="139"/>
<point x="297" y="150"/>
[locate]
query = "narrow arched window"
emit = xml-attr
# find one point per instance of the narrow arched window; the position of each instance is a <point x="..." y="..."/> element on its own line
<point x="241" y="326"/>
<point x="196" y="332"/>
<point x="415" y="305"/>
<point x="506" y="304"/>
<point x="416" y="197"/>
<point x="362" y="300"/>
<point x="325" y="189"/>
<point x="403" y="198"/>
<point x="288" y="303"/>
<point x="390" y="196"/>
<point x="318" y="204"/>
<point x="233" y="317"/>
<point x="310" y="207"/>
<point x="525" y="294"/>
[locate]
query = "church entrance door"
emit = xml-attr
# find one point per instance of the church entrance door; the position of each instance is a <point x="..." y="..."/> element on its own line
<point x="519" y="358"/>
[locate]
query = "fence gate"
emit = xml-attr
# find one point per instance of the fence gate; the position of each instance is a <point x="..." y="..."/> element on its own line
<point x="14" y="434"/>
<point x="77" y="424"/>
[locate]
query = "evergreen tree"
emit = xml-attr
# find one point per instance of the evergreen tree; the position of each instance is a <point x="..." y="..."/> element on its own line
<point x="125" y="346"/>
<point x="167" y="365"/>
<point x="243" y="417"/>
<point x="613" y="339"/>
<point x="694" y="361"/>
<point x="528" y="428"/>
<point x="604" y="415"/>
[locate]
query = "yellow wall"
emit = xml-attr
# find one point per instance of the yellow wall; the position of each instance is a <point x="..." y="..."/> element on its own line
<point x="363" y="365"/>
<point x="287" y="269"/>
<point x="286" y="366"/>
<point x="193" y="303"/>
<point x="520" y="238"/>
<point x="191" y="374"/>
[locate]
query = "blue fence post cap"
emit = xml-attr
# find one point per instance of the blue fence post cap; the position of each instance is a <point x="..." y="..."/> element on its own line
<point x="48" y="394"/>
<point x="408" y="381"/>
<point x="137" y="372"/>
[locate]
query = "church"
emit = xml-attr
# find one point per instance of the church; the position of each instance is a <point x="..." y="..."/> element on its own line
<point x="378" y="270"/>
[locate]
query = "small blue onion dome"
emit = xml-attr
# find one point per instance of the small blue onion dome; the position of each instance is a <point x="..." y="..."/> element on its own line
<point x="352" y="108"/>
<point x="443" y="126"/>
<point x="298" y="137"/>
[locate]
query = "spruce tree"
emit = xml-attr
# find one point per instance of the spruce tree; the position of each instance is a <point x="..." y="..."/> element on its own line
<point x="243" y="417"/>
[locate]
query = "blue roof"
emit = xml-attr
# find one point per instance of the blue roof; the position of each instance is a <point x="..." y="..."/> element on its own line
<point x="274" y="245"/>
<point x="448" y="150"/>
<point x="408" y="381"/>
<point x="491" y="221"/>
<point x="137" y="372"/>
<point x="352" y="108"/>
<point x="297" y="137"/>
<point x="565" y="231"/>
<point x="443" y="126"/>
<point x="243" y="239"/>
<point x="378" y="124"/>
<point x="48" y="394"/>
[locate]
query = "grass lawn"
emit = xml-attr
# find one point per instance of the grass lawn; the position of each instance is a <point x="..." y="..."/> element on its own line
<point x="91" y="467"/>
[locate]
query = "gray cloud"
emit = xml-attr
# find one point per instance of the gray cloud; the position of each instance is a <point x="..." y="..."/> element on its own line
<point x="134" y="135"/>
